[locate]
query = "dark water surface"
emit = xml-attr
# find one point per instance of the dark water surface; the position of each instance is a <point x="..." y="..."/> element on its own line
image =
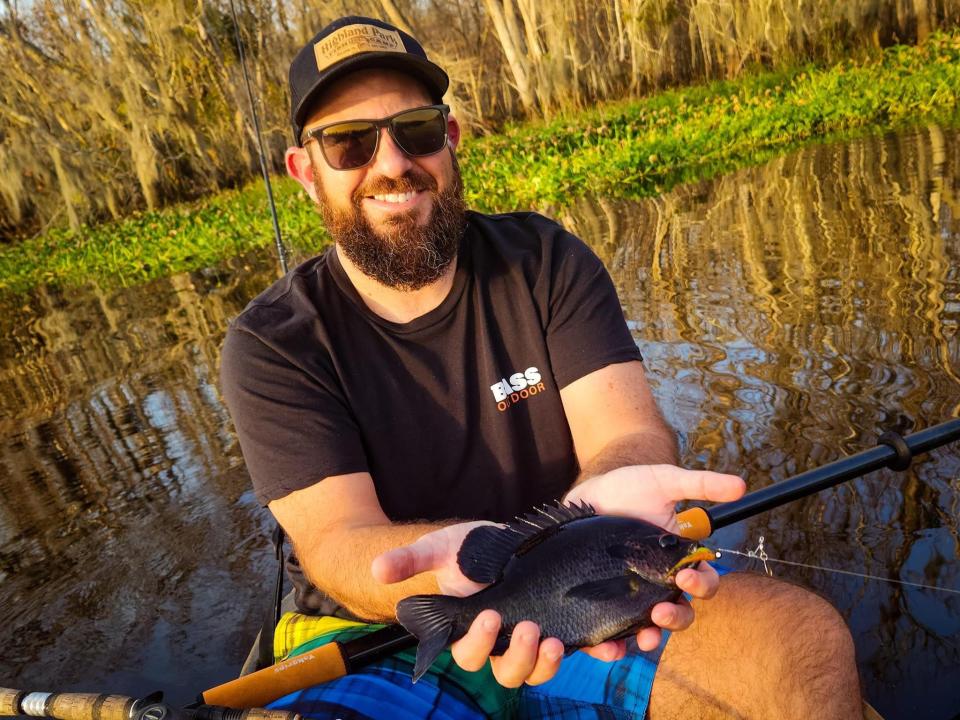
<point x="788" y="315"/>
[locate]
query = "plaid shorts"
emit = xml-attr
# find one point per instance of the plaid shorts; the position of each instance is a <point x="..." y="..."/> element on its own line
<point x="583" y="687"/>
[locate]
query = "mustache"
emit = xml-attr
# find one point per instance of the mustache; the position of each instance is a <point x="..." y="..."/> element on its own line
<point x="413" y="180"/>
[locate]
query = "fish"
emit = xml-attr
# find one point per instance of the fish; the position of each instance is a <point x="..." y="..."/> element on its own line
<point x="582" y="577"/>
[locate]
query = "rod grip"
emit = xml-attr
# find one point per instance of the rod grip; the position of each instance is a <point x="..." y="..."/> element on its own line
<point x="10" y="701"/>
<point x="264" y="714"/>
<point x="257" y="689"/>
<point x="694" y="523"/>
<point x="66" y="706"/>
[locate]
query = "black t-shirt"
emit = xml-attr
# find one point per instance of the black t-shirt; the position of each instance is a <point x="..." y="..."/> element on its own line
<point x="456" y="414"/>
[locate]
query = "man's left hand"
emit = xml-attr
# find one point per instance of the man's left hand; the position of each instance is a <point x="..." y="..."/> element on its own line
<point x="651" y="492"/>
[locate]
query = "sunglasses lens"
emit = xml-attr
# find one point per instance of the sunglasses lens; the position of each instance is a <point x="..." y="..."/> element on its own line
<point x="420" y="132"/>
<point x="349" y="145"/>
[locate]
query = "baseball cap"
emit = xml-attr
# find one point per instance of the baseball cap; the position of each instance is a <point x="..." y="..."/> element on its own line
<point x="354" y="43"/>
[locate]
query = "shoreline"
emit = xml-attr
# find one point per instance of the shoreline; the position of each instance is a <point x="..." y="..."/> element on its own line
<point x="627" y="149"/>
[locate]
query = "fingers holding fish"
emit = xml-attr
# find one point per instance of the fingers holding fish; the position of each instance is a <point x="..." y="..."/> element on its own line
<point x="701" y="582"/>
<point x="672" y="616"/>
<point x="526" y="659"/>
<point x="608" y="651"/>
<point x="650" y="492"/>
<point x="549" y="656"/>
<point x="649" y="638"/>
<point x="395" y="565"/>
<point x="426" y="553"/>
<point x="522" y="658"/>
<point x="472" y="651"/>
<point x="665" y="616"/>
<point x="433" y="552"/>
<point x="581" y="577"/>
<point x="548" y="661"/>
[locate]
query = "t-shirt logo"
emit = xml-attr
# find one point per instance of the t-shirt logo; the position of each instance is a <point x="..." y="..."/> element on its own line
<point x="519" y="386"/>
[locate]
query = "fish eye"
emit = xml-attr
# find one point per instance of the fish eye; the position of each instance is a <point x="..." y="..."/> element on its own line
<point x="668" y="541"/>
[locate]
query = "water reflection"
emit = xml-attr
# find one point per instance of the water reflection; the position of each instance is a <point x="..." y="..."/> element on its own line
<point x="126" y="522"/>
<point x="791" y="313"/>
<point x="788" y="314"/>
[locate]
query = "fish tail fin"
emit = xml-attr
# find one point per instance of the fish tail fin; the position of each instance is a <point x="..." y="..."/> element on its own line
<point x="432" y="619"/>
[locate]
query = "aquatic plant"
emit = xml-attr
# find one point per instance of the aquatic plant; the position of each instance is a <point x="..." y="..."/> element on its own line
<point x="622" y="149"/>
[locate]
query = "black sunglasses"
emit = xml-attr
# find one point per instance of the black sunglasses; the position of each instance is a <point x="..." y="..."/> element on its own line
<point x="352" y="144"/>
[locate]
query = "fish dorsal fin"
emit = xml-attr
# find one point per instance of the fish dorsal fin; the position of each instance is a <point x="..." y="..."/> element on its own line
<point x="486" y="550"/>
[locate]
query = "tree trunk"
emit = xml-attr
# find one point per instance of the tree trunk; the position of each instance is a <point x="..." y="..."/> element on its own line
<point x="513" y="53"/>
<point x="68" y="191"/>
<point x="395" y="16"/>
<point x="922" y="11"/>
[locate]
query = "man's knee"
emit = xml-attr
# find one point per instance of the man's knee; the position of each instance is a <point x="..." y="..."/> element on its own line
<point x="766" y="646"/>
<point x="802" y="640"/>
<point x="777" y="618"/>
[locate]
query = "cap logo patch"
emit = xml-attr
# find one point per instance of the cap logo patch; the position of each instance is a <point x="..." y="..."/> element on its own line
<point x="355" y="39"/>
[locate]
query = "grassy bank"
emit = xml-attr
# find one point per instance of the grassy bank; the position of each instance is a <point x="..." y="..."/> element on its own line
<point x="626" y="149"/>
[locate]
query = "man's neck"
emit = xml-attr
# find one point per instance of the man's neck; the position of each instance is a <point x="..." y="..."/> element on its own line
<point x="399" y="306"/>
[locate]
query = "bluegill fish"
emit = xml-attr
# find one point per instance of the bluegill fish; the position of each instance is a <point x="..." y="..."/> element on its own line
<point x="582" y="577"/>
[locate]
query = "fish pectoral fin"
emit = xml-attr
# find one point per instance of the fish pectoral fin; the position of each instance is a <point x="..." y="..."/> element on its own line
<point x="486" y="550"/>
<point x="613" y="588"/>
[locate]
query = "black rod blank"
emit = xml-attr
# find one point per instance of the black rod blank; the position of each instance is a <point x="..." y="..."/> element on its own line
<point x="894" y="452"/>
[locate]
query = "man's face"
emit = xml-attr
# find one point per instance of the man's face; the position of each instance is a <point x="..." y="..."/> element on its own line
<point x="400" y="218"/>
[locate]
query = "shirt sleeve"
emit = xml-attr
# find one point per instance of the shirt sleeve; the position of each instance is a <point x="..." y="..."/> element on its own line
<point x="586" y="329"/>
<point x="295" y="428"/>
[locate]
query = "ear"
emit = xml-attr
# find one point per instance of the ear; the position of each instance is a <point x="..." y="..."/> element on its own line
<point x="300" y="168"/>
<point x="453" y="132"/>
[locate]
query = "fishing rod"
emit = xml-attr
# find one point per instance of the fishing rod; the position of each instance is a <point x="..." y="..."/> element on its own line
<point x="893" y="451"/>
<point x="265" y="650"/>
<point x="281" y="253"/>
<point x="90" y="706"/>
<point x="336" y="659"/>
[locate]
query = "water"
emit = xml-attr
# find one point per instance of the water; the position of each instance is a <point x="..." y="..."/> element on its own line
<point x="788" y="314"/>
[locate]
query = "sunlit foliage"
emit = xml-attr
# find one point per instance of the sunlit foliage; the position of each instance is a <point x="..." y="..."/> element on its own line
<point x="113" y="106"/>
<point x="623" y="149"/>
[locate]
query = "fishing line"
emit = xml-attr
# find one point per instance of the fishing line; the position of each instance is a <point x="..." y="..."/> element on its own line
<point x="281" y="253"/>
<point x="265" y="638"/>
<point x="759" y="554"/>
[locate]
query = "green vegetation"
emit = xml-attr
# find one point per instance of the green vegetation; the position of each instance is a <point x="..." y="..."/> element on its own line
<point x="627" y="149"/>
<point x="641" y="148"/>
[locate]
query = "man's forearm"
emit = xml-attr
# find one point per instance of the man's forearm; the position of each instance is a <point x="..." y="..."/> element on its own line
<point x="338" y="562"/>
<point x="652" y="447"/>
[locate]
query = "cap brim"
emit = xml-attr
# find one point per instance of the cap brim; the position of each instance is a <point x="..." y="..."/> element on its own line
<point x="432" y="76"/>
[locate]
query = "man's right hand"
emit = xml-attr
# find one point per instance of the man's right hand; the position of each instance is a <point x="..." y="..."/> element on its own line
<point x="434" y="552"/>
<point x="526" y="660"/>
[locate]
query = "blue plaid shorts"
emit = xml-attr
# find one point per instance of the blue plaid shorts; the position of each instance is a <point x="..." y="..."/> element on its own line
<point x="583" y="689"/>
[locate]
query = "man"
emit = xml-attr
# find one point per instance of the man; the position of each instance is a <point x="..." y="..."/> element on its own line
<point x="437" y="369"/>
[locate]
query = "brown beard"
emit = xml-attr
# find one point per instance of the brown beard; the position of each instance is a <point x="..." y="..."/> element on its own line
<point x="406" y="256"/>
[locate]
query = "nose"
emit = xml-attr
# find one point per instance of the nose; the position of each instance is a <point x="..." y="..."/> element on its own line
<point x="390" y="160"/>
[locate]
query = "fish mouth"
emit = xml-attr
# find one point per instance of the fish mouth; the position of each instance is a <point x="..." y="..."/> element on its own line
<point x="694" y="556"/>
